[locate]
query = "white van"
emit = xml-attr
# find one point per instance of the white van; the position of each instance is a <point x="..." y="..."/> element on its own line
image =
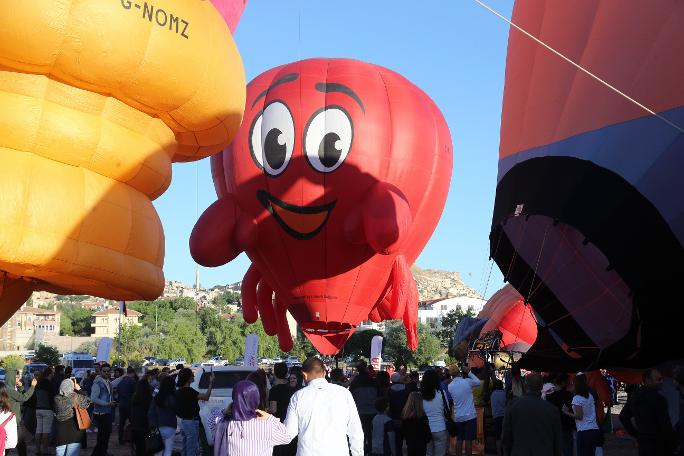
<point x="225" y="377"/>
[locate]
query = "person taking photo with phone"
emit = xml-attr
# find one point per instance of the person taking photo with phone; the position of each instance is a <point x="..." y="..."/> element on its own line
<point x="187" y="408"/>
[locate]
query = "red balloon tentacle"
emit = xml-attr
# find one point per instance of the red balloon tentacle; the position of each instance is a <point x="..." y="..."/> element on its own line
<point x="405" y="295"/>
<point x="265" y="304"/>
<point x="284" y="337"/>
<point x="386" y="218"/>
<point x="248" y="289"/>
<point x="374" y="315"/>
<point x="211" y="241"/>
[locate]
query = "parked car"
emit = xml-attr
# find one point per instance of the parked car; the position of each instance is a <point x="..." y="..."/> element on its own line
<point x="225" y="377"/>
<point x="292" y="361"/>
<point x="177" y="361"/>
<point x="238" y="362"/>
<point x="216" y="361"/>
<point x="30" y="370"/>
<point x="2" y="374"/>
<point x="149" y="361"/>
<point x="439" y="363"/>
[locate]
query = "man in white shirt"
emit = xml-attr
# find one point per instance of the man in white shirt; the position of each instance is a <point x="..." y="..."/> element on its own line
<point x="465" y="415"/>
<point x="323" y="415"/>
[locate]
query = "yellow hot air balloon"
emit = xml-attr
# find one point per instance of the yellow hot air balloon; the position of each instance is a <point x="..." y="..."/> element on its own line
<point x="97" y="99"/>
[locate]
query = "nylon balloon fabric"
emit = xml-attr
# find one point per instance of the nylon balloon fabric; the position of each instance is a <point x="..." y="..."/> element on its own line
<point x="588" y="222"/>
<point x="332" y="187"/>
<point x="97" y="99"/>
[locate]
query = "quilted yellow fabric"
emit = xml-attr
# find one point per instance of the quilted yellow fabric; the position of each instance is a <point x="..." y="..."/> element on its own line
<point x="97" y="99"/>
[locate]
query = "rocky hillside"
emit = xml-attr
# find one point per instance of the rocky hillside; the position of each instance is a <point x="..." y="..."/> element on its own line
<point x="432" y="284"/>
<point x="435" y="283"/>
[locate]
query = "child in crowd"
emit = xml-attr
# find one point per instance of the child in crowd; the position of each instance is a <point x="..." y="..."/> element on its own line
<point x="498" y="403"/>
<point x="381" y="426"/>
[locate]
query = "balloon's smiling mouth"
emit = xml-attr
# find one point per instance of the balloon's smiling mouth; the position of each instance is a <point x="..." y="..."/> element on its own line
<point x="300" y="222"/>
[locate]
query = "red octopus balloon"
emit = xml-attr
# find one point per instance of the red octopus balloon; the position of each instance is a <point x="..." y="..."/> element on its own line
<point x="333" y="186"/>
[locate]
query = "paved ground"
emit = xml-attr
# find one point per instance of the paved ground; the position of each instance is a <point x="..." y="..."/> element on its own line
<point x="616" y="444"/>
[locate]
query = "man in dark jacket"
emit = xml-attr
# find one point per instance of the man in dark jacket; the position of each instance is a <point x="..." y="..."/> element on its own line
<point x="532" y="425"/>
<point x="645" y="417"/>
<point x="18" y="396"/>
<point x="124" y="387"/>
<point x="364" y="389"/>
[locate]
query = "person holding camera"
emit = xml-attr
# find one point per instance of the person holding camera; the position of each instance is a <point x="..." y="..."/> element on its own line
<point x="464" y="415"/>
<point x="68" y="436"/>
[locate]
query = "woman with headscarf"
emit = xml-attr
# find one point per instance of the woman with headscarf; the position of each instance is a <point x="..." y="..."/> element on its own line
<point x="68" y="438"/>
<point x="246" y="430"/>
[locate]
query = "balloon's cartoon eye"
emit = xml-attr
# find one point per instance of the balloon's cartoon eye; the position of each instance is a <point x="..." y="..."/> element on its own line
<point x="328" y="139"/>
<point x="271" y="138"/>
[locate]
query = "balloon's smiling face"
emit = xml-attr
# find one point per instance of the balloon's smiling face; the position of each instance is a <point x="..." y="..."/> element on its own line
<point x="300" y="133"/>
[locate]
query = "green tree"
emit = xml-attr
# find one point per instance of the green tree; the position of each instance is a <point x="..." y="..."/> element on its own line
<point x="449" y="323"/>
<point x="88" y="347"/>
<point x="47" y="354"/>
<point x="225" y="299"/>
<point x="233" y="342"/>
<point x="182" y="338"/>
<point x="13" y="362"/>
<point x="429" y="346"/>
<point x="268" y="345"/>
<point x="74" y="320"/>
<point x="359" y="344"/>
<point x="396" y="346"/>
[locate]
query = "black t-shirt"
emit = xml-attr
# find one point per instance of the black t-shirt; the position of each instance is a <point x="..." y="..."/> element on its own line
<point x="559" y="399"/>
<point x="187" y="405"/>
<point x="281" y="394"/>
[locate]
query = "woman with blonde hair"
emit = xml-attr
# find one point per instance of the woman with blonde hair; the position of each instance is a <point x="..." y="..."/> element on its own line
<point x="415" y="425"/>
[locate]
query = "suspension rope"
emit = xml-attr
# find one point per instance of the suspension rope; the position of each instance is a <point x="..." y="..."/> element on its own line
<point x="580" y="67"/>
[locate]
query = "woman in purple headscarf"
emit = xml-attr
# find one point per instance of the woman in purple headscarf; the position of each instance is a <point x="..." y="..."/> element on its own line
<point x="246" y="430"/>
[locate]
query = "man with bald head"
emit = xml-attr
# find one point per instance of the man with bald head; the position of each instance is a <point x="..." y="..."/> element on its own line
<point x="324" y="416"/>
<point x="532" y="425"/>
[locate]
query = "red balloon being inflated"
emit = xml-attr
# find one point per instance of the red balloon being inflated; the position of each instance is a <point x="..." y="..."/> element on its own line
<point x="333" y="186"/>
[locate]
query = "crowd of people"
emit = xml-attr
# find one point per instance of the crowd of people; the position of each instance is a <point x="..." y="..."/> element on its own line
<point x="372" y="413"/>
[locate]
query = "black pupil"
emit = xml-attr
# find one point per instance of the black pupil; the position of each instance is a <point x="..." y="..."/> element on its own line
<point x="328" y="153"/>
<point x="274" y="152"/>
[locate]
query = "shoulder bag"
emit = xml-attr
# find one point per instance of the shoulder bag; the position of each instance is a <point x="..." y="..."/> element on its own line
<point x="451" y="426"/>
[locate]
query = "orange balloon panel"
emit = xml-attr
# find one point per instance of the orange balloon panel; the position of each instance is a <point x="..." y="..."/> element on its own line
<point x="507" y="312"/>
<point x="333" y="186"/>
<point x="97" y="99"/>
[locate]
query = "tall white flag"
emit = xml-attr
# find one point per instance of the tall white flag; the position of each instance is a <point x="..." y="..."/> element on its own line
<point x="251" y="350"/>
<point x="376" y="352"/>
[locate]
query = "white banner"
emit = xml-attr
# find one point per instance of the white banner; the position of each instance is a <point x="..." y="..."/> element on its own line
<point x="376" y="352"/>
<point x="103" y="349"/>
<point x="251" y="349"/>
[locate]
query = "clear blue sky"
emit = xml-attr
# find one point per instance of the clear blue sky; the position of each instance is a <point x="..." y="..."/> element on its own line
<point x="454" y="50"/>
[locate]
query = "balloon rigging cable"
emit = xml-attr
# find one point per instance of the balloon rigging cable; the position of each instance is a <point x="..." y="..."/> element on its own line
<point x="579" y="67"/>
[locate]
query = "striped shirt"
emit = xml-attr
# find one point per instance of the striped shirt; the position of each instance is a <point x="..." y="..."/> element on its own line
<point x="250" y="438"/>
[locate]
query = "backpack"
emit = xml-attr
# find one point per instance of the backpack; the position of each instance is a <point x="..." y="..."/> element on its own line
<point x="3" y="433"/>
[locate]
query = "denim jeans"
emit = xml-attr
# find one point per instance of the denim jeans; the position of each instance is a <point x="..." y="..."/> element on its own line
<point x="190" y="430"/>
<point x="439" y="444"/>
<point x="167" y="434"/>
<point x="70" y="449"/>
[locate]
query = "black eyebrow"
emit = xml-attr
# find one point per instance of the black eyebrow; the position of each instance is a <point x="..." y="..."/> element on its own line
<point x="287" y="78"/>
<point x="335" y="87"/>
